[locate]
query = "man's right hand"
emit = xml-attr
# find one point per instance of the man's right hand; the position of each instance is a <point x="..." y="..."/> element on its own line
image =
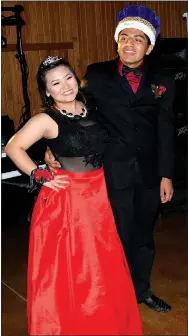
<point x="50" y="160"/>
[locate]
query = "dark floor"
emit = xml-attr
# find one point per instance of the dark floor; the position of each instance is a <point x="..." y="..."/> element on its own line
<point x="169" y="277"/>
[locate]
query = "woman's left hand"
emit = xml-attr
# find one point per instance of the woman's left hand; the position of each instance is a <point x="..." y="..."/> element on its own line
<point x="59" y="182"/>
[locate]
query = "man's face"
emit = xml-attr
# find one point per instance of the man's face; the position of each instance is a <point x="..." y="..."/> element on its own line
<point x="132" y="47"/>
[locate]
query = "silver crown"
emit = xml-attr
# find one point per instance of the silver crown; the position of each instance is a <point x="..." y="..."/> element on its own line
<point x="51" y="59"/>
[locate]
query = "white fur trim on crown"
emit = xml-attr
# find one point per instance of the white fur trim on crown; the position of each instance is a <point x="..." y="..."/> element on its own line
<point x="137" y="25"/>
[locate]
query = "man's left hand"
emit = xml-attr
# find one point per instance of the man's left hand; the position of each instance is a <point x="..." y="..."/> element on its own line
<point x="166" y="190"/>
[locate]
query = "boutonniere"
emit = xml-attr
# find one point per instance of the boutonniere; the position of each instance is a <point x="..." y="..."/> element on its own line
<point x="158" y="90"/>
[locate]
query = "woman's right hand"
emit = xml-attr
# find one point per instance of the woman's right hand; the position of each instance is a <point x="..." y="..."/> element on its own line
<point x="50" y="160"/>
<point x="59" y="182"/>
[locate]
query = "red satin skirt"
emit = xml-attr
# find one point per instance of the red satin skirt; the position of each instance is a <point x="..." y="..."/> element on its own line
<point x="78" y="278"/>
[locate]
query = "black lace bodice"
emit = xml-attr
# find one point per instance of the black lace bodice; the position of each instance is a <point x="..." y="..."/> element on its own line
<point x="80" y="143"/>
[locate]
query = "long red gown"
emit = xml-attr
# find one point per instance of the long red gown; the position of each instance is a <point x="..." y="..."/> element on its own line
<point x="78" y="278"/>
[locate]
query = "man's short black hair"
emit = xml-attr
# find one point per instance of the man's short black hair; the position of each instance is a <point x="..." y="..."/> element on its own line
<point x="148" y="39"/>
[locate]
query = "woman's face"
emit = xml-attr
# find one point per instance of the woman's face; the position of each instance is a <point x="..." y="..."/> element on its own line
<point x="61" y="84"/>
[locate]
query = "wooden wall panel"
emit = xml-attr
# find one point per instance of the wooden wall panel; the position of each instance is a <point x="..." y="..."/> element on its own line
<point x="89" y="25"/>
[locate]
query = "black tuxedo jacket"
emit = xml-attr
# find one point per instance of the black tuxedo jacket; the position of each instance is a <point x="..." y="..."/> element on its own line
<point x="140" y="126"/>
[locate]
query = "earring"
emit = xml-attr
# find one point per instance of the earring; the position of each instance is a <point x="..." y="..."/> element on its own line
<point x="47" y="93"/>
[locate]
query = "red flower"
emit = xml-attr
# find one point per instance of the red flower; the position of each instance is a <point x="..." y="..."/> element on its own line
<point x="160" y="90"/>
<point x="43" y="174"/>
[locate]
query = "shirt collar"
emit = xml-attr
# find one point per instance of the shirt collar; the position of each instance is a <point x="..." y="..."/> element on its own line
<point x="120" y="66"/>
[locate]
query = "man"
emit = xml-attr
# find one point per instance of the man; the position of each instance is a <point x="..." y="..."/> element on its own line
<point x="135" y="104"/>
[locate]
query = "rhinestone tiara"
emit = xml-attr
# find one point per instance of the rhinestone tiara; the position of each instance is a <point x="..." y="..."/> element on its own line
<point x="51" y="59"/>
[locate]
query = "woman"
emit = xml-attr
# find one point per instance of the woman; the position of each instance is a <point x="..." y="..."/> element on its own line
<point x="78" y="279"/>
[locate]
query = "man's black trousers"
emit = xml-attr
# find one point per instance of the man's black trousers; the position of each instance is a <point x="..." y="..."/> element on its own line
<point x="135" y="210"/>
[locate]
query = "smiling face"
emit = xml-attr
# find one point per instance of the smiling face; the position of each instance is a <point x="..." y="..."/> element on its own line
<point x="133" y="46"/>
<point x="61" y="85"/>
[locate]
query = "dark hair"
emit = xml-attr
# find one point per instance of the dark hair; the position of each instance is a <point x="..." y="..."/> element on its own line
<point x="41" y="79"/>
<point x="148" y="39"/>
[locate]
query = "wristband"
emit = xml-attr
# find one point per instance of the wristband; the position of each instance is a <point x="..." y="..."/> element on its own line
<point x="38" y="177"/>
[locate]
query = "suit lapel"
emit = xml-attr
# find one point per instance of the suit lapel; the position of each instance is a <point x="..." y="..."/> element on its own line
<point x="118" y="84"/>
<point x="125" y="86"/>
<point x="145" y="83"/>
